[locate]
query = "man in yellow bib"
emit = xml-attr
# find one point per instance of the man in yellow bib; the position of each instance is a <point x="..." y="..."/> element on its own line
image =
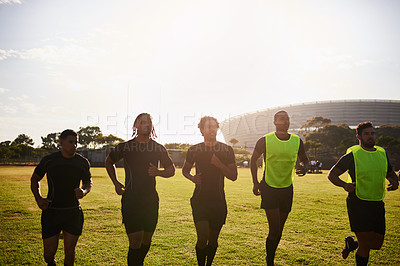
<point x="281" y="150"/>
<point x="367" y="166"/>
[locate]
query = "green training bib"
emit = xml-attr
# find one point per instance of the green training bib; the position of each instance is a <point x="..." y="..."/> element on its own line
<point x="370" y="170"/>
<point x="280" y="160"/>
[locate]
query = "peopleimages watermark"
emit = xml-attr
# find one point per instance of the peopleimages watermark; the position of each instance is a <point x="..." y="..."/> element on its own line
<point x="181" y="124"/>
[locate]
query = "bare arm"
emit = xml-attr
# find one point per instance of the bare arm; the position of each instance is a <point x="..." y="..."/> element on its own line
<point x="333" y="176"/>
<point x="254" y="172"/>
<point x="112" y="173"/>
<point x="167" y="172"/>
<point x="86" y="187"/>
<point x="302" y="156"/>
<point x="393" y="181"/>
<point x="230" y="170"/>
<point x="186" y="173"/>
<point x="35" y="188"/>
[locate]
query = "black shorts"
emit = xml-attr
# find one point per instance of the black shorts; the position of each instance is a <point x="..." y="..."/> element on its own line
<point x="214" y="212"/>
<point x="276" y="198"/>
<point x="366" y="216"/>
<point x="139" y="216"/>
<point x="53" y="221"/>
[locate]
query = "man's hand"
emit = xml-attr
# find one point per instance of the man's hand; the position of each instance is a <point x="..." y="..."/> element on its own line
<point x="301" y="170"/>
<point x="119" y="188"/>
<point x="350" y="187"/>
<point x="256" y="189"/>
<point x="216" y="161"/>
<point x="43" y="203"/>
<point x="393" y="184"/>
<point x="153" y="171"/>
<point x="79" y="193"/>
<point x="196" y="179"/>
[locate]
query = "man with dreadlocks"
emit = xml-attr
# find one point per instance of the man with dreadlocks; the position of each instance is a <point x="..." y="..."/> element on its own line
<point x="139" y="201"/>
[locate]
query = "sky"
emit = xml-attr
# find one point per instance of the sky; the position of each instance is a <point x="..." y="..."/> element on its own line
<point x="71" y="64"/>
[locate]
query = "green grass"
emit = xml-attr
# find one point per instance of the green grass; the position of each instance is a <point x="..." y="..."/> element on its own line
<point x="313" y="234"/>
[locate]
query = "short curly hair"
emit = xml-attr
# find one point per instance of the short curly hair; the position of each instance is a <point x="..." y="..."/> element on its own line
<point x="360" y="127"/>
<point x="204" y="119"/>
<point x="280" y="113"/>
<point x="68" y="132"/>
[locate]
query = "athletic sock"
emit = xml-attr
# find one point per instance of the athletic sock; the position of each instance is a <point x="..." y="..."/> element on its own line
<point x="52" y="263"/>
<point x="211" y="254"/>
<point x="134" y="257"/>
<point x="271" y="245"/>
<point x="201" y="255"/>
<point x="361" y="261"/>
<point x="143" y="251"/>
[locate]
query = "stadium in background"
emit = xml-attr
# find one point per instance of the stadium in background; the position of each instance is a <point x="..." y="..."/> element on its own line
<point x="247" y="128"/>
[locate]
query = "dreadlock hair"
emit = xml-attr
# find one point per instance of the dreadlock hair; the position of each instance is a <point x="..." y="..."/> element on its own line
<point x="153" y="132"/>
<point x="204" y="119"/>
<point x="360" y="127"/>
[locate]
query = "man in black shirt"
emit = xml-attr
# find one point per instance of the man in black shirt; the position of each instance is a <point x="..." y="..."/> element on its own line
<point x="213" y="161"/>
<point x="61" y="210"/>
<point x="367" y="166"/>
<point x="139" y="196"/>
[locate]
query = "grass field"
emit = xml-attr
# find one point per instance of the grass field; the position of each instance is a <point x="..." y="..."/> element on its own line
<point x="313" y="234"/>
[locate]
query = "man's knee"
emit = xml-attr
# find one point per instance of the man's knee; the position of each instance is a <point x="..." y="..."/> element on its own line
<point x="377" y="244"/>
<point x="202" y="240"/>
<point x="135" y="239"/>
<point x="274" y="233"/>
<point x="147" y="237"/>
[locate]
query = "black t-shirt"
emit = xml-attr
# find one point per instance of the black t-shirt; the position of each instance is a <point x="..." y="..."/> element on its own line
<point x="212" y="178"/>
<point x="63" y="176"/>
<point x="261" y="149"/>
<point x="137" y="158"/>
<point x="346" y="163"/>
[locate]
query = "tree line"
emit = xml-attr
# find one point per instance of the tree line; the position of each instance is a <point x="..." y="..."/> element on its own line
<point x="322" y="140"/>
<point x="21" y="148"/>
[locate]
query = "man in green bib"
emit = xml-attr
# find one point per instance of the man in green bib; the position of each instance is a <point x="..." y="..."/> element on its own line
<point x="281" y="150"/>
<point x="367" y="166"/>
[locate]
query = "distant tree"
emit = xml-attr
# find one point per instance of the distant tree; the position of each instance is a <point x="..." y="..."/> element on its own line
<point x="234" y="142"/>
<point x="6" y="143"/>
<point x="172" y="145"/>
<point x="5" y="153"/>
<point x="23" y="139"/>
<point x="312" y="147"/>
<point x="238" y="150"/>
<point x="387" y="141"/>
<point x="245" y="145"/>
<point x="332" y="136"/>
<point x="315" y="123"/>
<point x="20" y="151"/>
<point x="51" y="141"/>
<point x="177" y="145"/>
<point x="109" y="140"/>
<point x="89" y="135"/>
<point x="384" y="130"/>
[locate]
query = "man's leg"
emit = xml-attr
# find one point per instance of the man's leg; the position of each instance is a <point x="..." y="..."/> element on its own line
<point x="212" y="245"/>
<point x="134" y="253"/>
<point x="203" y="231"/>
<point x="276" y="222"/>
<point x="70" y="242"/>
<point x="146" y="242"/>
<point x="364" y="246"/>
<point x="50" y="246"/>
<point x="366" y="242"/>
